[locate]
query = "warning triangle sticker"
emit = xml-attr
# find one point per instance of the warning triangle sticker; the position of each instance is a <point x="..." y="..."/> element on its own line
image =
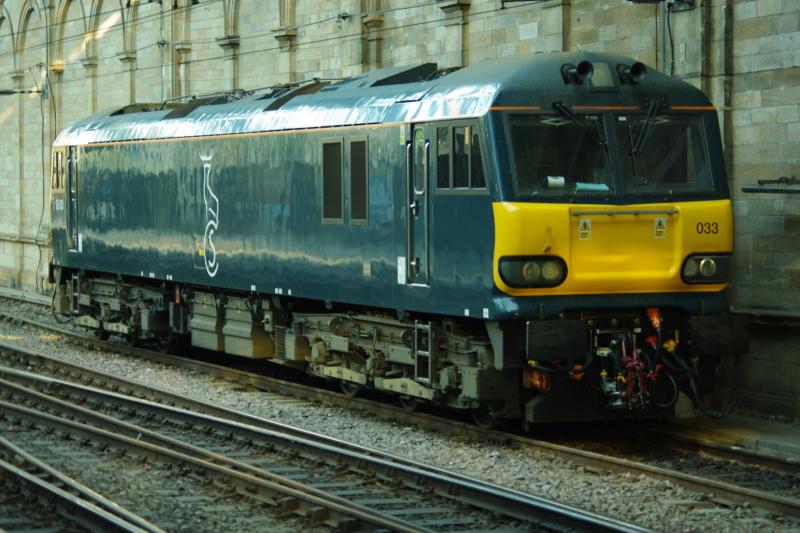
<point x="585" y="229"/>
<point x="660" y="228"/>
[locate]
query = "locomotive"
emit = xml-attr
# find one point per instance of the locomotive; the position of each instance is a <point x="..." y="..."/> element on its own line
<point x="545" y="237"/>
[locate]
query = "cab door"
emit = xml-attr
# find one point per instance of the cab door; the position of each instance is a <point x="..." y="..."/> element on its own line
<point x="73" y="237"/>
<point x="418" y="206"/>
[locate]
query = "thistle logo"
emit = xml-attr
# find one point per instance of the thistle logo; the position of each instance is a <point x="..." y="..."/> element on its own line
<point x="212" y="217"/>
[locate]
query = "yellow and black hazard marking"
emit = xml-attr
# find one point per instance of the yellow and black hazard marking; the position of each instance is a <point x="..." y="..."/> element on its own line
<point x="585" y="229"/>
<point x="660" y="228"/>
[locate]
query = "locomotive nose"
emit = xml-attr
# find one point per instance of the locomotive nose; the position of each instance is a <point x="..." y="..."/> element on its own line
<point x="612" y="248"/>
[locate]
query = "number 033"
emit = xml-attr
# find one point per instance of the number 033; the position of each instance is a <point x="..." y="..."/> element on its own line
<point x="707" y="227"/>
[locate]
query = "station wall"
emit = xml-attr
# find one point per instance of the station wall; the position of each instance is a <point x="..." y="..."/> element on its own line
<point x="95" y="54"/>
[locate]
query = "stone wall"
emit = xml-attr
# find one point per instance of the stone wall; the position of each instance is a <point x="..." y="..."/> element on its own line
<point x="95" y="54"/>
<point x="766" y="145"/>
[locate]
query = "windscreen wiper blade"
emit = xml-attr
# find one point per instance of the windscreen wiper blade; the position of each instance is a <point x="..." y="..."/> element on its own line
<point x="564" y="110"/>
<point x="644" y="129"/>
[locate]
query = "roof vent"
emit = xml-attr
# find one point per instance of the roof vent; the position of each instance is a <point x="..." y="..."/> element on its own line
<point x="194" y="103"/>
<point x="309" y="88"/>
<point x="409" y="75"/>
<point x="143" y="107"/>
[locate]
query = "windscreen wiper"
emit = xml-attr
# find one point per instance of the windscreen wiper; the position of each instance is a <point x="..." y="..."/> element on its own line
<point x="641" y="135"/>
<point x="564" y="110"/>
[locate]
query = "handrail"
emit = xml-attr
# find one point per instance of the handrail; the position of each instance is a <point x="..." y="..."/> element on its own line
<point x="634" y="212"/>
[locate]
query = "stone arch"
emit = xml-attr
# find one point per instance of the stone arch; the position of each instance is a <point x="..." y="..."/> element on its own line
<point x="231" y="10"/>
<point x="60" y="23"/>
<point x="182" y="20"/>
<point x="9" y="121"/>
<point x="130" y="15"/>
<point x="7" y="22"/>
<point x="29" y="9"/>
<point x="33" y="47"/>
<point x="107" y="27"/>
<point x="95" y="25"/>
<point x="72" y="67"/>
<point x="184" y="55"/>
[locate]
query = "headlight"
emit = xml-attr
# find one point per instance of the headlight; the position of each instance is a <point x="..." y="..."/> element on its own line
<point x="552" y="271"/>
<point x="532" y="271"/>
<point x="706" y="268"/>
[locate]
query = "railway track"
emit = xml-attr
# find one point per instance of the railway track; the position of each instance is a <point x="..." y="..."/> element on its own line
<point x="722" y="483"/>
<point x="308" y="475"/>
<point x="37" y="497"/>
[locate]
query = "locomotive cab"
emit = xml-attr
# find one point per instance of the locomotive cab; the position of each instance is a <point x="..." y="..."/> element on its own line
<point x="614" y="227"/>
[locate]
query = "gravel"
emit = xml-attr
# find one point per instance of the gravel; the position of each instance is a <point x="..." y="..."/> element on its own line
<point x="655" y="504"/>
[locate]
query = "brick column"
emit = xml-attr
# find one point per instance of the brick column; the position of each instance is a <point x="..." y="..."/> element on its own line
<point x="455" y="51"/>
<point x="183" y="70"/>
<point x="90" y="64"/>
<point x="128" y="60"/>
<point x="230" y="45"/>
<point x="18" y="79"/>
<point x="287" y="58"/>
<point x="554" y="26"/>
<point x="352" y="51"/>
<point x="372" y="42"/>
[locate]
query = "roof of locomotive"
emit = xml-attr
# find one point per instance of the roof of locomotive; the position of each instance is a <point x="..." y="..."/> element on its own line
<point x="376" y="97"/>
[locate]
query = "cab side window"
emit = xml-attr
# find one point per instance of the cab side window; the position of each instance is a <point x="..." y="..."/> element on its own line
<point x="57" y="176"/>
<point x="332" y="190"/>
<point x="461" y="157"/>
<point x="359" y="183"/>
<point x="459" y="161"/>
<point x="443" y="158"/>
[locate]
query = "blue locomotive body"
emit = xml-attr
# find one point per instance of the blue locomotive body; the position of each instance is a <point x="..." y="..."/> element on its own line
<point x="353" y="228"/>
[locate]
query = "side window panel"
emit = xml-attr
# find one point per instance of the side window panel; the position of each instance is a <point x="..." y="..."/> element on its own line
<point x="332" y="181"/>
<point x="54" y="174"/>
<point x="358" y="180"/>
<point x="419" y="160"/>
<point x="476" y="163"/>
<point x="460" y="157"/>
<point x="443" y="158"/>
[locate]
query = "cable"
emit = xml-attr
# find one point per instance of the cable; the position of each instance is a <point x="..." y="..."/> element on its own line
<point x="673" y="398"/>
<point x="53" y="306"/>
<point x="671" y="42"/>
<point x="297" y="26"/>
<point x="691" y="374"/>
<point x="353" y="37"/>
<point x="44" y="173"/>
<point x="331" y="37"/>
<point x="121" y="24"/>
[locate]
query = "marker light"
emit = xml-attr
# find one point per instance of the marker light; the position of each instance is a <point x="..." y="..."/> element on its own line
<point x="706" y="268"/>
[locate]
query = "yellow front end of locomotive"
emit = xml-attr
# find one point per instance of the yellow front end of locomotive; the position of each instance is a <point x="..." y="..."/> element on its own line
<point x="609" y="249"/>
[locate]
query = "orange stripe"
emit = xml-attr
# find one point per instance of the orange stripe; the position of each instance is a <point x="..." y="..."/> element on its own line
<point x="606" y="107"/>
<point x="692" y="108"/>
<point x="515" y="108"/>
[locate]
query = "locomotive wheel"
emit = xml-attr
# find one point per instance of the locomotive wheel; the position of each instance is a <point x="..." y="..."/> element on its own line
<point x="102" y="334"/>
<point x="409" y="403"/>
<point x="485" y="417"/>
<point x="349" y="388"/>
<point x="170" y="343"/>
